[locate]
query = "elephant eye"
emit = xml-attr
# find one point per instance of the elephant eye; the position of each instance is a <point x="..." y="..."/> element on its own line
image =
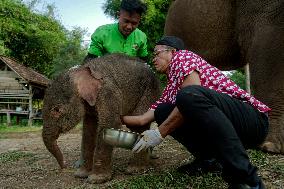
<point x="56" y="109"/>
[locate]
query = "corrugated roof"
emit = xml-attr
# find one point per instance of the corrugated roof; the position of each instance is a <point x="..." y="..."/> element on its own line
<point x="26" y="73"/>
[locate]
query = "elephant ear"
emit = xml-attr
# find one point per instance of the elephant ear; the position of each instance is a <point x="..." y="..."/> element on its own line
<point x="87" y="85"/>
<point x="94" y="71"/>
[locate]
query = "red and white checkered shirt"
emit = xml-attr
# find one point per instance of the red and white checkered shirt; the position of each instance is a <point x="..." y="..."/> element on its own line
<point x="184" y="63"/>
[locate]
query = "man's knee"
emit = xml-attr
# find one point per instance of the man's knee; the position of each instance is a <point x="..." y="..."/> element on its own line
<point x="191" y="98"/>
<point x="189" y="94"/>
<point x="192" y="89"/>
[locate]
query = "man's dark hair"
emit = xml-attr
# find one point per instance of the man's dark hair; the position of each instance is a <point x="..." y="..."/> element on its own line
<point x="132" y="6"/>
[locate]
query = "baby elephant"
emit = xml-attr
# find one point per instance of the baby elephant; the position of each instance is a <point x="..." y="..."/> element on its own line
<point x="98" y="93"/>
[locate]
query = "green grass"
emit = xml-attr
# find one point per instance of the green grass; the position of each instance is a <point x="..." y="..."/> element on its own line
<point x="4" y="129"/>
<point x="18" y="129"/>
<point x="173" y="179"/>
<point x="170" y="179"/>
<point x="13" y="156"/>
<point x="258" y="158"/>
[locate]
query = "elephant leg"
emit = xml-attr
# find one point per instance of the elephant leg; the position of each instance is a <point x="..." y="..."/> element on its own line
<point x="102" y="168"/>
<point x="87" y="146"/>
<point x="266" y="59"/>
<point x="148" y="98"/>
<point x="108" y="117"/>
<point x="141" y="161"/>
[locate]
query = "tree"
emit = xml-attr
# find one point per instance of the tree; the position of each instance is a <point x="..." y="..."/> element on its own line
<point x="37" y="39"/>
<point x="239" y="78"/>
<point x="32" y="38"/>
<point x="3" y="49"/>
<point x="70" y="53"/>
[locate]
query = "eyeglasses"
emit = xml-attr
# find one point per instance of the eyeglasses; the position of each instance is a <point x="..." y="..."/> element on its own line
<point x="157" y="52"/>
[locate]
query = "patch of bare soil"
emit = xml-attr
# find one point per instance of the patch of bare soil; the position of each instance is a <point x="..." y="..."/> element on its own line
<point x="40" y="169"/>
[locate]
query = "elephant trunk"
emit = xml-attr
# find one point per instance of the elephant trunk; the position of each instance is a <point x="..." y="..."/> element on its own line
<point x="50" y="137"/>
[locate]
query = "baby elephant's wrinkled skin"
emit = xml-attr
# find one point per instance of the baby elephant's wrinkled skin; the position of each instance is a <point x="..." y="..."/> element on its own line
<point x="98" y="93"/>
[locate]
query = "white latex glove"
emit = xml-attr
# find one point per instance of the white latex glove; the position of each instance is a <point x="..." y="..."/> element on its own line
<point x="150" y="138"/>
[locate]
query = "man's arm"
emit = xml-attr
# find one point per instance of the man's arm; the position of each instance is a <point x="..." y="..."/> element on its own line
<point x="139" y="120"/>
<point x="148" y="117"/>
<point x="192" y="79"/>
<point x="96" y="45"/>
<point x="143" y="49"/>
<point x="175" y="119"/>
<point x="154" y="137"/>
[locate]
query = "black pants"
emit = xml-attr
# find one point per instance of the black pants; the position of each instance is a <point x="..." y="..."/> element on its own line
<point x="218" y="126"/>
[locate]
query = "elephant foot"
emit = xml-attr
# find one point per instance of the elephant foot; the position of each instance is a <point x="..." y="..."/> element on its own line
<point x="97" y="178"/>
<point x="271" y="147"/>
<point x="82" y="173"/>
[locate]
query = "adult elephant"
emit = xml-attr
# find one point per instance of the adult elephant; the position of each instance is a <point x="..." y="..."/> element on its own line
<point x="98" y="93"/>
<point x="231" y="33"/>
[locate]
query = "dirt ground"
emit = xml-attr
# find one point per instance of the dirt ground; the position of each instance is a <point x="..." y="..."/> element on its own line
<point x="40" y="170"/>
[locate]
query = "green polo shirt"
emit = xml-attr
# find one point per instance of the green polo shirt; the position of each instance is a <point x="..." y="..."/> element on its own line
<point x="108" y="39"/>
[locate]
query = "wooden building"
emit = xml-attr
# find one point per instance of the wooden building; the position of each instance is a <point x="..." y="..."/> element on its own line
<point x="20" y="88"/>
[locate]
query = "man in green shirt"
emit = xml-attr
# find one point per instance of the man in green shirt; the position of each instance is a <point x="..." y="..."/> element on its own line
<point x="122" y="37"/>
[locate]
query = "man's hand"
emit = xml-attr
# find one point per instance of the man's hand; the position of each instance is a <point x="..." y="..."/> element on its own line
<point x="150" y="138"/>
